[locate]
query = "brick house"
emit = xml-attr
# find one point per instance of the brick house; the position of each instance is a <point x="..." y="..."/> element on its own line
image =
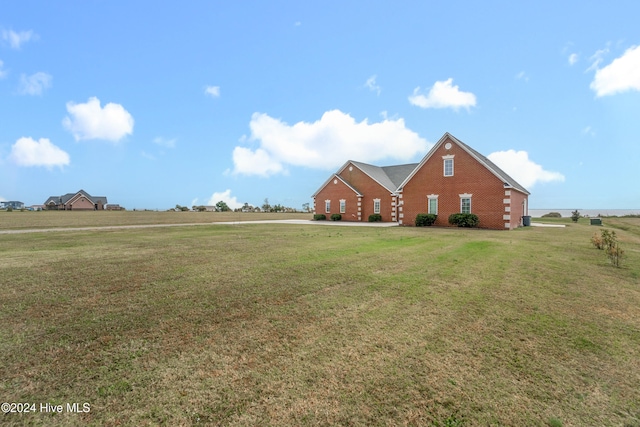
<point x="80" y="201"/>
<point x="451" y="178"/>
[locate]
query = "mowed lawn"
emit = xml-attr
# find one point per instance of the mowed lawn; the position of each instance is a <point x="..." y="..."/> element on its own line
<point x="292" y="325"/>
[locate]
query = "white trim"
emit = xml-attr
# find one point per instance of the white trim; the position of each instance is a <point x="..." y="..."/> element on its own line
<point x="507" y="201"/>
<point x="444" y="166"/>
<point x="465" y="195"/>
<point x="507" y="225"/>
<point x="343" y="206"/>
<point x="374" y="206"/>
<point x="431" y="197"/>
<point x="507" y="208"/>
<point x="507" y="192"/>
<point x="506" y="217"/>
<point x="327" y="206"/>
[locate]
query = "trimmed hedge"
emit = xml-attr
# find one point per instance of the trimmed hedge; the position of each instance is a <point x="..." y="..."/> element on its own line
<point x="319" y="217"/>
<point x="375" y="218"/>
<point x="336" y="217"/>
<point x="464" y="220"/>
<point x="423" y="219"/>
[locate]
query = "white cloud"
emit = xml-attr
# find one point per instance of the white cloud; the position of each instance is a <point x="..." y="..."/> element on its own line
<point x="35" y="83"/>
<point x="324" y="144"/>
<point x="443" y="95"/>
<point x="525" y="171"/>
<point x="29" y="152"/>
<point x="226" y="197"/>
<point x="90" y="121"/>
<point x="597" y="58"/>
<point x="258" y="162"/>
<point x="17" y="39"/>
<point x="3" y="73"/>
<point x="522" y="76"/>
<point x="623" y="74"/>
<point x="164" y="142"/>
<point x="573" y="58"/>
<point x="372" y="85"/>
<point x="213" y="91"/>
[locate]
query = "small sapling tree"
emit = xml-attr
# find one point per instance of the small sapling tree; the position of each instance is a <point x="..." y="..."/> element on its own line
<point x="575" y="216"/>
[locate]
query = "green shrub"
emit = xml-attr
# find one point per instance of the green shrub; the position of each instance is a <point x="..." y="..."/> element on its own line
<point x="375" y="218"/>
<point x="319" y="217"/>
<point x="423" y="219"/>
<point x="552" y="215"/>
<point x="464" y="220"/>
<point x="336" y="217"/>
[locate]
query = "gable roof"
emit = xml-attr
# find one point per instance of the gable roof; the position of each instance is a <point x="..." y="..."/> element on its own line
<point x="387" y="176"/>
<point x="336" y="176"/>
<point x="65" y="198"/>
<point x="492" y="167"/>
<point x="395" y="177"/>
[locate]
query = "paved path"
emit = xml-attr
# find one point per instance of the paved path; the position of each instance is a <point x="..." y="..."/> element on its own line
<point x="272" y="221"/>
<point x="540" y="224"/>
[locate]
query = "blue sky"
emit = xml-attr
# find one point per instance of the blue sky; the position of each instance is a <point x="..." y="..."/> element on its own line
<point x="154" y="104"/>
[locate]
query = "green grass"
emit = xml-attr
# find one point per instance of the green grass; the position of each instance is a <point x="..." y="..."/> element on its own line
<point x="321" y="325"/>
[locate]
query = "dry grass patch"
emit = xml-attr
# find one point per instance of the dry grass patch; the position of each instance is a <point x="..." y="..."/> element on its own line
<point x="291" y="325"/>
<point x="70" y="219"/>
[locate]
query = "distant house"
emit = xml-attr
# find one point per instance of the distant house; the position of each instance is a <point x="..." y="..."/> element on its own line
<point x="11" y="204"/>
<point x="80" y="201"/>
<point x="451" y="178"/>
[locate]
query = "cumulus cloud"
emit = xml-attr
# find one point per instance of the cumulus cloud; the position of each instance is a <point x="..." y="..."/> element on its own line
<point x="226" y="197"/>
<point x="324" y="144"/>
<point x="17" y="39"/>
<point x="372" y="85"/>
<point x="35" y="83"/>
<point x="623" y="74"/>
<point x="29" y="152"/>
<point x="525" y="171"/>
<point x="90" y="121"/>
<point x="443" y="95"/>
<point x="213" y="91"/>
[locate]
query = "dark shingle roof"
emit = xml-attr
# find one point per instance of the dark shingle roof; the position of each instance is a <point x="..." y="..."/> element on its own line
<point x="387" y="176"/>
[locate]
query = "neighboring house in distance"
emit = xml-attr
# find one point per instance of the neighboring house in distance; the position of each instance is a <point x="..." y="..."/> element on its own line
<point x="80" y="201"/>
<point x="12" y="204"/>
<point x="451" y="178"/>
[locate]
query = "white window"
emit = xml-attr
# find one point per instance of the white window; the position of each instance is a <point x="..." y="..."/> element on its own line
<point x="448" y="164"/>
<point x="327" y="206"/>
<point x="343" y="206"/>
<point x="376" y="206"/>
<point x="465" y="205"/>
<point x="432" y="204"/>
